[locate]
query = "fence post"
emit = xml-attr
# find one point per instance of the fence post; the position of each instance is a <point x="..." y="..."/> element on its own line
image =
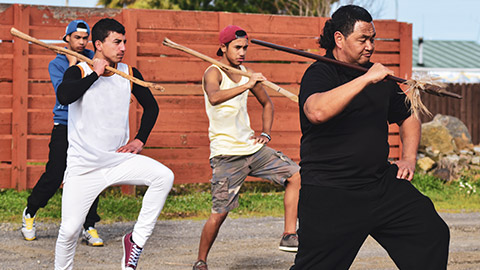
<point x="405" y="60"/>
<point x="129" y="18"/>
<point x="20" y="100"/>
<point x="406" y="53"/>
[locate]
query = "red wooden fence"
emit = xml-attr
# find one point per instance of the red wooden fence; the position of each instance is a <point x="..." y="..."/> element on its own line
<point x="179" y="138"/>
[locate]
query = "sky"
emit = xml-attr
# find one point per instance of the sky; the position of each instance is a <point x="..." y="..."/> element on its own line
<point x="431" y="19"/>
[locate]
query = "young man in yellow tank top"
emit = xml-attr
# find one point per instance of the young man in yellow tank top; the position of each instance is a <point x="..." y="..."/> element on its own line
<point x="235" y="150"/>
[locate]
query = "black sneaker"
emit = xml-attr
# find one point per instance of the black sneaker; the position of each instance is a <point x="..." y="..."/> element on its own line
<point x="289" y="243"/>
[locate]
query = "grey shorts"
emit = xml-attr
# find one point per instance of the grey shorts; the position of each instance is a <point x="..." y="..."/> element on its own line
<point x="229" y="173"/>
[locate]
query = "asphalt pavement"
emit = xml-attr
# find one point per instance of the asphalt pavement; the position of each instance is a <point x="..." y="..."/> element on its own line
<point x="243" y="243"/>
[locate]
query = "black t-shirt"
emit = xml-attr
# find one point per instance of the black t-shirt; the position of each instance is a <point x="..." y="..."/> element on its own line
<point x="351" y="149"/>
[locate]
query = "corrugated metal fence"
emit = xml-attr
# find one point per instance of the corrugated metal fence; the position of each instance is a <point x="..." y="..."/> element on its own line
<point x="179" y="138"/>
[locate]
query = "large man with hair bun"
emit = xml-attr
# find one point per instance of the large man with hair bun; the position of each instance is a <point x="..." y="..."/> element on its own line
<point x="349" y="188"/>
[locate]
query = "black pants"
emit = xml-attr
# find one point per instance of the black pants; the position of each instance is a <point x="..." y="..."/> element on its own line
<point x="52" y="178"/>
<point x="334" y="223"/>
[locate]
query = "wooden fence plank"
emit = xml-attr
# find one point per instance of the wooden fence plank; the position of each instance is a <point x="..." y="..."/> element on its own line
<point x="40" y="122"/>
<point x="19" y="104"/>
<point x="47" y="15"/>
<point x="387" y="29"/>
<point x="179" y="20"/>
<point x="6" y="146"/>
<point x="5" y="101"/>
<point x="38" y="67"/>
<point x="33" y="174"/>
<point x="5" y="175"/>
<point x="5" y="35"/>
<point x="5" y="122"/>
<point x="278" y="24"/>
<point x="6" y="49"/>
<point x="6" y="72"/>
<point x="43" y="88"/>
<point x="6" y="14"/>
<point x="38" y="147"/>
<point x="5" y="88"/>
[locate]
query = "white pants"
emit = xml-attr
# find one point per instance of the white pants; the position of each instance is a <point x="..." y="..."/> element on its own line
<point x="79" y="192"/>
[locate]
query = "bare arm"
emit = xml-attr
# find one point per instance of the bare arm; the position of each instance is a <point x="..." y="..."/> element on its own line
<point x="410" y="130"/>
<point x="211" y="84"/>
<point x="321" y="107"/>
<point x="267" y="113"/>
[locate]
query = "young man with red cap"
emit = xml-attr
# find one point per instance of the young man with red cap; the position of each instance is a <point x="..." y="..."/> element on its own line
<point x="235" y="151"/>
<point x="76" y="37"/>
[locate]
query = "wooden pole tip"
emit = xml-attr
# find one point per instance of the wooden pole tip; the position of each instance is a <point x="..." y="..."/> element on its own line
<point x="158" y="87"/>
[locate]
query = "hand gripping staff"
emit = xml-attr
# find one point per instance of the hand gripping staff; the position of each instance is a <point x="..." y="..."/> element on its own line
<point x="414" y="86"/>
<point x="83" y="58"/>
<point x="167" y="42"/>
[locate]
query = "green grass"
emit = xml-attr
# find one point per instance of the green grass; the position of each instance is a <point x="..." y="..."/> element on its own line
<point x="257" y="199"/>
<point x="455" y="196"/>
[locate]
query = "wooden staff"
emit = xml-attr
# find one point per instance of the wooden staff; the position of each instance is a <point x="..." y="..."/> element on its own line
<point x="83" y="58"/>
<point x="429" y="87"/>
<point x="412" y="94"/>
<point x="167" y="42"/>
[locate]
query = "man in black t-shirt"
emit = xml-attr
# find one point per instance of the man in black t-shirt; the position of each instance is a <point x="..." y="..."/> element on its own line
<point x="349" y="189"/>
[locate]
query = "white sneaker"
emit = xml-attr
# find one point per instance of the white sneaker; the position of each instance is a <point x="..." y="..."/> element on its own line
<point x="28" y="226"/>
<point x="91" y="238"/>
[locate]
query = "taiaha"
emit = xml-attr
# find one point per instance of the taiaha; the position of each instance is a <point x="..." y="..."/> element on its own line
<point x="414" y="86"/>
<point x="167" y="42"/>
<point x="83" y="58"/>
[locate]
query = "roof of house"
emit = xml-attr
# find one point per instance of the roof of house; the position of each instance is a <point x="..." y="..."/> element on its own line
<point x="453" y="61"/>
<point x="448" y="54"/>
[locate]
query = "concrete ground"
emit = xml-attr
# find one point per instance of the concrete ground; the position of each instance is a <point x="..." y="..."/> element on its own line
<point x="245" y="243"/>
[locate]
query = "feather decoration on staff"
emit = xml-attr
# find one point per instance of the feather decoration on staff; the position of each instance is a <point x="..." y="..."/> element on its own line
<point x="83" y="58"/>
<point x="415" y="87"/>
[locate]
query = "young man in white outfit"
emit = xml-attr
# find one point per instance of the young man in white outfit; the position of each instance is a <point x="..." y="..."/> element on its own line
<point x="235" y="150"/>
<point x="99" y="154"/>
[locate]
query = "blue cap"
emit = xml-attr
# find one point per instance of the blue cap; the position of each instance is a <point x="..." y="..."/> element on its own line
<point x="73" y="27"/>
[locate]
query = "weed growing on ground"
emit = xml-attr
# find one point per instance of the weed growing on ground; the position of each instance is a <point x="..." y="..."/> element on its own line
<point x="259" y="198"/>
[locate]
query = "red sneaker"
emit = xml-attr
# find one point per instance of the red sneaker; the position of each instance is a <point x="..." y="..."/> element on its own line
<point x="131" y="253"/>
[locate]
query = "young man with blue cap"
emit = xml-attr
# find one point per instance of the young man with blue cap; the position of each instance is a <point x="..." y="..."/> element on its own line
<point x="76" y="36"/>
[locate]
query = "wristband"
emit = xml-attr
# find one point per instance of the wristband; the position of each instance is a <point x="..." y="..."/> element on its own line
<point x="266" y="135"/>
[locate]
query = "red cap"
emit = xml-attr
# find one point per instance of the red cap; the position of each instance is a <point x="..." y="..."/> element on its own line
<point x="230" y="33"/>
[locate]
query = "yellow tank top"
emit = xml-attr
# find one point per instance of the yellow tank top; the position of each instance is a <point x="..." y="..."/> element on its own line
<point x="229" y="130"/>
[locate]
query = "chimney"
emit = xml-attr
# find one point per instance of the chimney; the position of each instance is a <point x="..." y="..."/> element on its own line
<point x="420" y="52"/>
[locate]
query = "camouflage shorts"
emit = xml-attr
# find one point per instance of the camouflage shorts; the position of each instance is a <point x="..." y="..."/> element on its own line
<point x="229" y="173"/>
